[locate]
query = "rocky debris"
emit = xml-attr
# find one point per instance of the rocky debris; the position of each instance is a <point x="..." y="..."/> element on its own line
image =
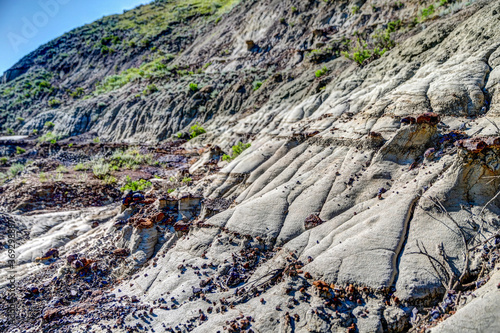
<point x="35" y="195"/>
<point x="312" y="221"/>
<point x="411" y="259"/>
<point x="430" y="118"/>
<point x="50" y="254"/>
<point x="477" y="144"/>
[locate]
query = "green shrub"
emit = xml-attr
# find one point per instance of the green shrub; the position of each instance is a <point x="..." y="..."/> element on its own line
<point x="61" y="169"/>
<point x="10" y="131"/>
<point x="15" y="169"/>
<point x="80" y="167"/>
<point x="170" y="190"/>
<point x="109" y="180"/>
<point x="443" y="2"/>
<point x="135" y="185"/>
<point x="49" y="124"/>
<point x="150" y="89"/>
<point x="394" y="25"/>
<point x="20" y="119"/>
<point x="35" y="131"/>
<point x="48" y="137"/>
<point x="43" y="177"/>
<point x="196" y="130"/>
<point x="3" y="160"/>
<point x="130" y="158"/>
<point x="427" y="12"/>
<point x="361" y="52"/>
<point x="20" y="150"/>
<point x="96" y="140"/>
<point x="70" y="145"/>
<point x="77" y="93"/>
<point x="193" y="87"/>
<point x="187" y="179"/>
<point x="257" y="85"/>
<point x="54" y="102"/>
<point x="321" y="72"/>
<point x="294" y="9"/>
<point x="100" y="169"/>
<point x="237" y="150"/>
<point x="355" y="9"/>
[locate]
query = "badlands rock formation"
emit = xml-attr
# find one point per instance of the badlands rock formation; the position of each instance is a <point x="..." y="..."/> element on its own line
<point x="367" y="201"/>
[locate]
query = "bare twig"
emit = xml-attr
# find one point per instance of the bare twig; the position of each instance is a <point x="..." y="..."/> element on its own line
<point x="433" y="261"/>
<point x="494" y="124"/>
<point x="465" y="271"/>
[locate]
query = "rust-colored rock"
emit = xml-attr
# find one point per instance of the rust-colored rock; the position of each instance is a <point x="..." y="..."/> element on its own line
<point x="121" y="252"/>
<point x="143" y="224"/>
<point x="474" y="145"/>
<point x="312" y="221"/>
<point x="430" y="118"/>
<point x="250" y="45"/>
<point x="181" y="226"/>
<point x="408" y="120"/>
<point x="159" y="217"/>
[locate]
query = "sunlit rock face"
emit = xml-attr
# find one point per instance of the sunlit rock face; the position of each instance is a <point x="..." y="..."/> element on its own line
<point x="367" y="201"/>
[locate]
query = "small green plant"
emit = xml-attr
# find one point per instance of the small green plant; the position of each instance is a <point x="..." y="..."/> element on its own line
<point x="109" y="180"/>
<point x="170" y="190"/>
<point x="426" y="13"/>
<point x="130" y="159"/>
<point x="443" y="2"/>
<point x="49" y="124"/>
<point x="57" y="177"/>
<point x="61" y="169"/>
<point x="43" y="177"/>
<point x="196" y="130"/>
<point x="237" y="150"/>
<point x="294" y="9"/>
<point x="15" y="169"/>
<point x="3" y="160"/>
<point x="80" y="167"/>
<point x="53" y="103"/>
<point x="48" y="137"/>
<point x="150" y="89"/>
<point x="35" y="131"/>
<point x="257" y="85"/>
<point x="96" y="140"/>
<point x="70" y="145"/>
<point x="77" y="93"/>
<point x="20" y="119"/>
<point x="100" y="169"/>
<point x="10" y="131"/>
<point x="354" y="9"/>
<point x="135" y="185"/>
<point x="187" y="180"/>
<point x="20" y="150"/>
<point x="179" y="135"/>
<point x="193" y="87"/>
<point x="362" y="53"/>
<point x="321" y="72"/>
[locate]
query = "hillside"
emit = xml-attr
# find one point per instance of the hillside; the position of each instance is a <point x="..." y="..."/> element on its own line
<point x="298" y="166"/>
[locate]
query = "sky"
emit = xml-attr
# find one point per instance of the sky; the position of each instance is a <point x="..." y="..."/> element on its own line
<point x="27" y="24"/>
